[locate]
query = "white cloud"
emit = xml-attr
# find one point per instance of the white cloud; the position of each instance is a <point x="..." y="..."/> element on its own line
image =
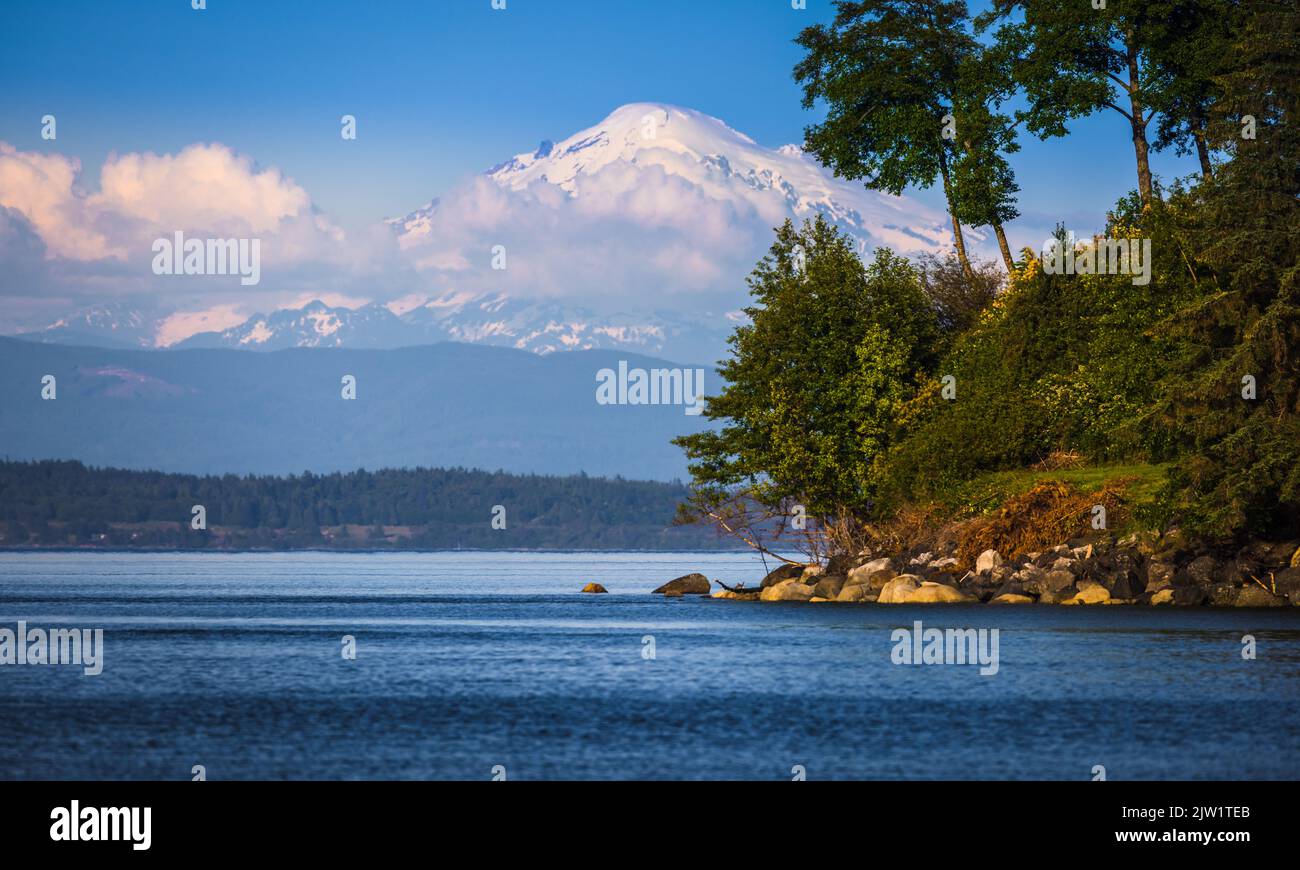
<point x="92" y="246"/>
<point x="634" y="232"/>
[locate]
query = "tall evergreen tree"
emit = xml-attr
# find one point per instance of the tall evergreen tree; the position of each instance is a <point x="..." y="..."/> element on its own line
<point x="1238" y="401"/>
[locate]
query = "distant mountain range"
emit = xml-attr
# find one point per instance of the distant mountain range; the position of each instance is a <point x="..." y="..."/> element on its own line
<point x="644" y="166"/>
<point x="541" y="327"/>
<point x="215" y="411"/>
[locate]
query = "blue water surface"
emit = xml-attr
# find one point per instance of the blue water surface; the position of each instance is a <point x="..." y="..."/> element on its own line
<point x="470" y="662"/>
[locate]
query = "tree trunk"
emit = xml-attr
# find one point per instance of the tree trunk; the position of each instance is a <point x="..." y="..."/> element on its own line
<point x="1004" y="247"/>
<point x="1141" y="147"/>
<point x="958" y="240"/>
<point x="1202" y="151"/>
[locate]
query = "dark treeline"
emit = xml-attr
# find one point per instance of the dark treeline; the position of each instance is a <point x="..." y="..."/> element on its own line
<point x="63" y="503"/>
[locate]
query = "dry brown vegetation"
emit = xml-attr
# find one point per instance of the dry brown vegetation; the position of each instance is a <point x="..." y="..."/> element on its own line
<point x="1051" y="512"/>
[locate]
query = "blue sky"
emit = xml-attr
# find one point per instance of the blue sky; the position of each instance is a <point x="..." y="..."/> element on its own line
<point x="159" y="99"/>
<point x="441" y="88"/>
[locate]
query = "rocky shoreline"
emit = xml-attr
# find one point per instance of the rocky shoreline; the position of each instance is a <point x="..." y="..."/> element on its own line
<point x="1137" y="569"/>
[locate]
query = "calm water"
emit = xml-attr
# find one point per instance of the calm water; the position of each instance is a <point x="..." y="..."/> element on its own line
<point x="467" y="661"/>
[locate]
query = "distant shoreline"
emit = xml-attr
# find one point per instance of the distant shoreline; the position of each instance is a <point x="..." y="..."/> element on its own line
<point x="339" y="550"/>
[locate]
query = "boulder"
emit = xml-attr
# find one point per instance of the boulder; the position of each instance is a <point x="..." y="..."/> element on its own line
<point x="855" y="595"/>
<point x="673" y="594"/>
<point x="811" y="573"/>
<point x="1256" y="596"/>
<point x="1059" y="597"/>
<point x="937" y="593"/>
<point x="1012" y="598"/>
<point x="1064" y="563"/>
<point x="787" y="590"/>
<point x="946" y="563"/>
<point x="1126" y="583"/>
<point x="1056" y="581"/>
<point x="781" y="572"/>
<point x="1201" y="571"/>
<point x="829" y="586"/>
<point x="1000" y="574"/>
<point x="1189" y="596"/>
<point x="1160" y="575"/>
<point x="897" y="589"/>
<point x="1243" y="571"/>
<point x="1295" y="559"/>
<point x="1287" y="582"/>
<point x="923" y="559"/>
<point x="1222" y="595"/>
<point x="874" y="575"/>
<point x="1164" y="596"/>
<point x="689" y="584"/>
<point x="1009" y="588"/>
<point x="987" y="561"/>
<point x="1090" y="592"/>
<point x="596" y="588"/>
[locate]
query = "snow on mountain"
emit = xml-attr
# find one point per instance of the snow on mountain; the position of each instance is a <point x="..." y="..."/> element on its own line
<point x="722" y="164"/>
<point x="112" y="324"/>
<point x="537" y="326"/>
<point x="635" y="234"/>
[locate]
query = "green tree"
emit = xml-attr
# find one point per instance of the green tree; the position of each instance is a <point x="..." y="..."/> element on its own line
<point x="832" y="350"/>
<point x="1196" y="44"/>
<point x="906" y="88"/>
<point x="1072" y="60"/>
<point x="1243" y="466"/>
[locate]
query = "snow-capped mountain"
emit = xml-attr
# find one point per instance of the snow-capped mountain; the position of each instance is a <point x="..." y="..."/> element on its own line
<point x="634" y="234"/>
<point x="722" y="164"/>
<point x="312" y="325"/>
<point x="537" y="326"/>
<point x="111" y="324"/>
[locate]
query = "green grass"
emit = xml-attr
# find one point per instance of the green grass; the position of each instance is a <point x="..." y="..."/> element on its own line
<point x="988" y="491"/>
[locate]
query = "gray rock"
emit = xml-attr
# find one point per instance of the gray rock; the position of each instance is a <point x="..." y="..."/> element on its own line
<point x="987" y="561"/>
<point x="1254" y="596"/>
<point x="937" y="593"/>
<point x="829" y="586"/>
<point x="1160" y="575"/>
<point x="858" y="594"/>
<point x="689" y="584"/>
<point x="1201" y="571"/>
<point x="811" y="573"/>
<point x="1287" y="582"/>
<point x="781" y="572"/>
<point x="882" y="570"/>
<point x="897" y="589"/>
<point x="787" y="590"/>
<point x="1056" y="581"/>
<point x="1058" y="597"/>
